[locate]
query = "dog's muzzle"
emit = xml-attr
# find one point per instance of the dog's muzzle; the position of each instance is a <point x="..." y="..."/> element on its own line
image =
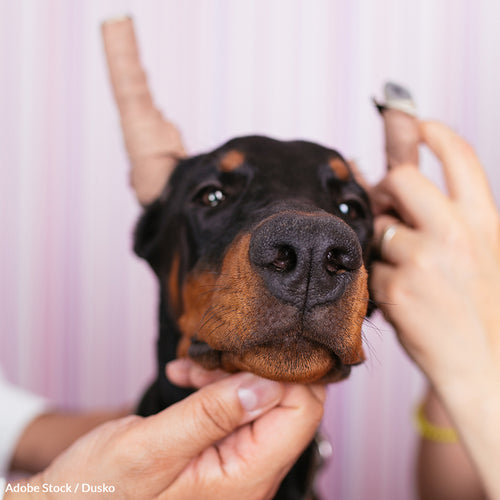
<point x="288" y="303"/>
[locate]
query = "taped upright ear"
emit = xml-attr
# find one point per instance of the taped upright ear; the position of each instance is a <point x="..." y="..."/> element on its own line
<point x="153" y="144"/>
<point x="402" y="132"/>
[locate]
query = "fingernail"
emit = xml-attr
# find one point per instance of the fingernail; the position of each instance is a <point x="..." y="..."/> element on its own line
<point x="257" y="393"/>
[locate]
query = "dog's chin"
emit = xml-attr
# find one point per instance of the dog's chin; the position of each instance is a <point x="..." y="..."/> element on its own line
<point x="291" y="360"/>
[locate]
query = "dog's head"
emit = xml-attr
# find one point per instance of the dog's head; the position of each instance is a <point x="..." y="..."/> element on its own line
<point x="260" y="248"/>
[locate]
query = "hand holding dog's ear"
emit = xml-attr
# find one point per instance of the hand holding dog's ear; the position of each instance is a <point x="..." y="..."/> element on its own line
<point x="447" y="245"/>
<point x="439" y="285"/>
<point x="228" y="440"/>
<point x="154" y="145"/>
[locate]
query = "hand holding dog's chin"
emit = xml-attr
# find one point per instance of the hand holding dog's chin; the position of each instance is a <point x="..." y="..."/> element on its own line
<point x="228" y="440"/>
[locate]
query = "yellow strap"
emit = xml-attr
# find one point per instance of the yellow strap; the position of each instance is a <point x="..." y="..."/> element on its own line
<point x="433" y="432"/>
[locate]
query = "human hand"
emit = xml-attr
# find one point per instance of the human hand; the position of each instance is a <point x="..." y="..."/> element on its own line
<point x="439" y="279"/>
<point x="233" y="432"/>
<point x="439" y="282"/>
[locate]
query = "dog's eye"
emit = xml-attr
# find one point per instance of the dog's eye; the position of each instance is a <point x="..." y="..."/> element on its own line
<point x="353" y="209"/>
<point x="210" y="196"/>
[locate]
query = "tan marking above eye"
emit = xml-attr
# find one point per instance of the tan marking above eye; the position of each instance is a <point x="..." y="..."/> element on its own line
<point x="231" y="160"/>
<point x="339" y="168"/>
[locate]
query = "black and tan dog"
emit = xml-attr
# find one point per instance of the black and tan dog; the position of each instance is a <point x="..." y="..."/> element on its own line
<point x="260" y="249"/>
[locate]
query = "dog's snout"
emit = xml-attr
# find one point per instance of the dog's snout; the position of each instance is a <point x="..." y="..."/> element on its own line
<point x="304" y="258"/>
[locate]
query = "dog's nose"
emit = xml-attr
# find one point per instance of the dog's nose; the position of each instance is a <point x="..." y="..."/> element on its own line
<point x="305" y="259"/>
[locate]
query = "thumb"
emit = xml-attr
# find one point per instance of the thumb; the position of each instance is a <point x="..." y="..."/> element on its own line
<point x="184" y="430"/>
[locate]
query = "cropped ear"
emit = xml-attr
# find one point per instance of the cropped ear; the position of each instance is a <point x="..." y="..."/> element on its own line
<point x="154" y="145"/>
<point x="402" y="132"/>
<point x="148" y="234"/>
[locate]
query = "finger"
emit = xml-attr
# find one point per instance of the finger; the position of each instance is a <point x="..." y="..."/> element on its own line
<point x="382" y="276"/>
<point x="259" y="454"/>
<point x="299" y="415"/>
<point x="394" y="240"/>
<point x="318" y="391"/>
<point x="465" y="177"/>
<point x="265" y="447"/>
<point x="414" y="198"/>
<point x="153" y="144"/>
<point x="184" y="372"/>
<point x="180" y="433"/>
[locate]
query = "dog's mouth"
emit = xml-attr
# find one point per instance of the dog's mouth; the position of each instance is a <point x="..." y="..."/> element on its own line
<point x="293" y="355"/>
<point x="294" y="359"/>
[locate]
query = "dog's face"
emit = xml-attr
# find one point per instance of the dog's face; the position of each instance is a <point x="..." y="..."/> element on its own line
<point x="260" y="248"/>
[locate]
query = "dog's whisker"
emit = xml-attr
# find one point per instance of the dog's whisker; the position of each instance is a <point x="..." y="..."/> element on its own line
<point x="372" y="326"/>
<point x="214" y="311"/>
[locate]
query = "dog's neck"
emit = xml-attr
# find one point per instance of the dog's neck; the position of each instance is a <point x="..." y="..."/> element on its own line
<point x="169" y="335"/>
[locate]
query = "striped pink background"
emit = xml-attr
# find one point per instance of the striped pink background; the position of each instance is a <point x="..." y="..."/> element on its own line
<point x="77" y="320"/>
